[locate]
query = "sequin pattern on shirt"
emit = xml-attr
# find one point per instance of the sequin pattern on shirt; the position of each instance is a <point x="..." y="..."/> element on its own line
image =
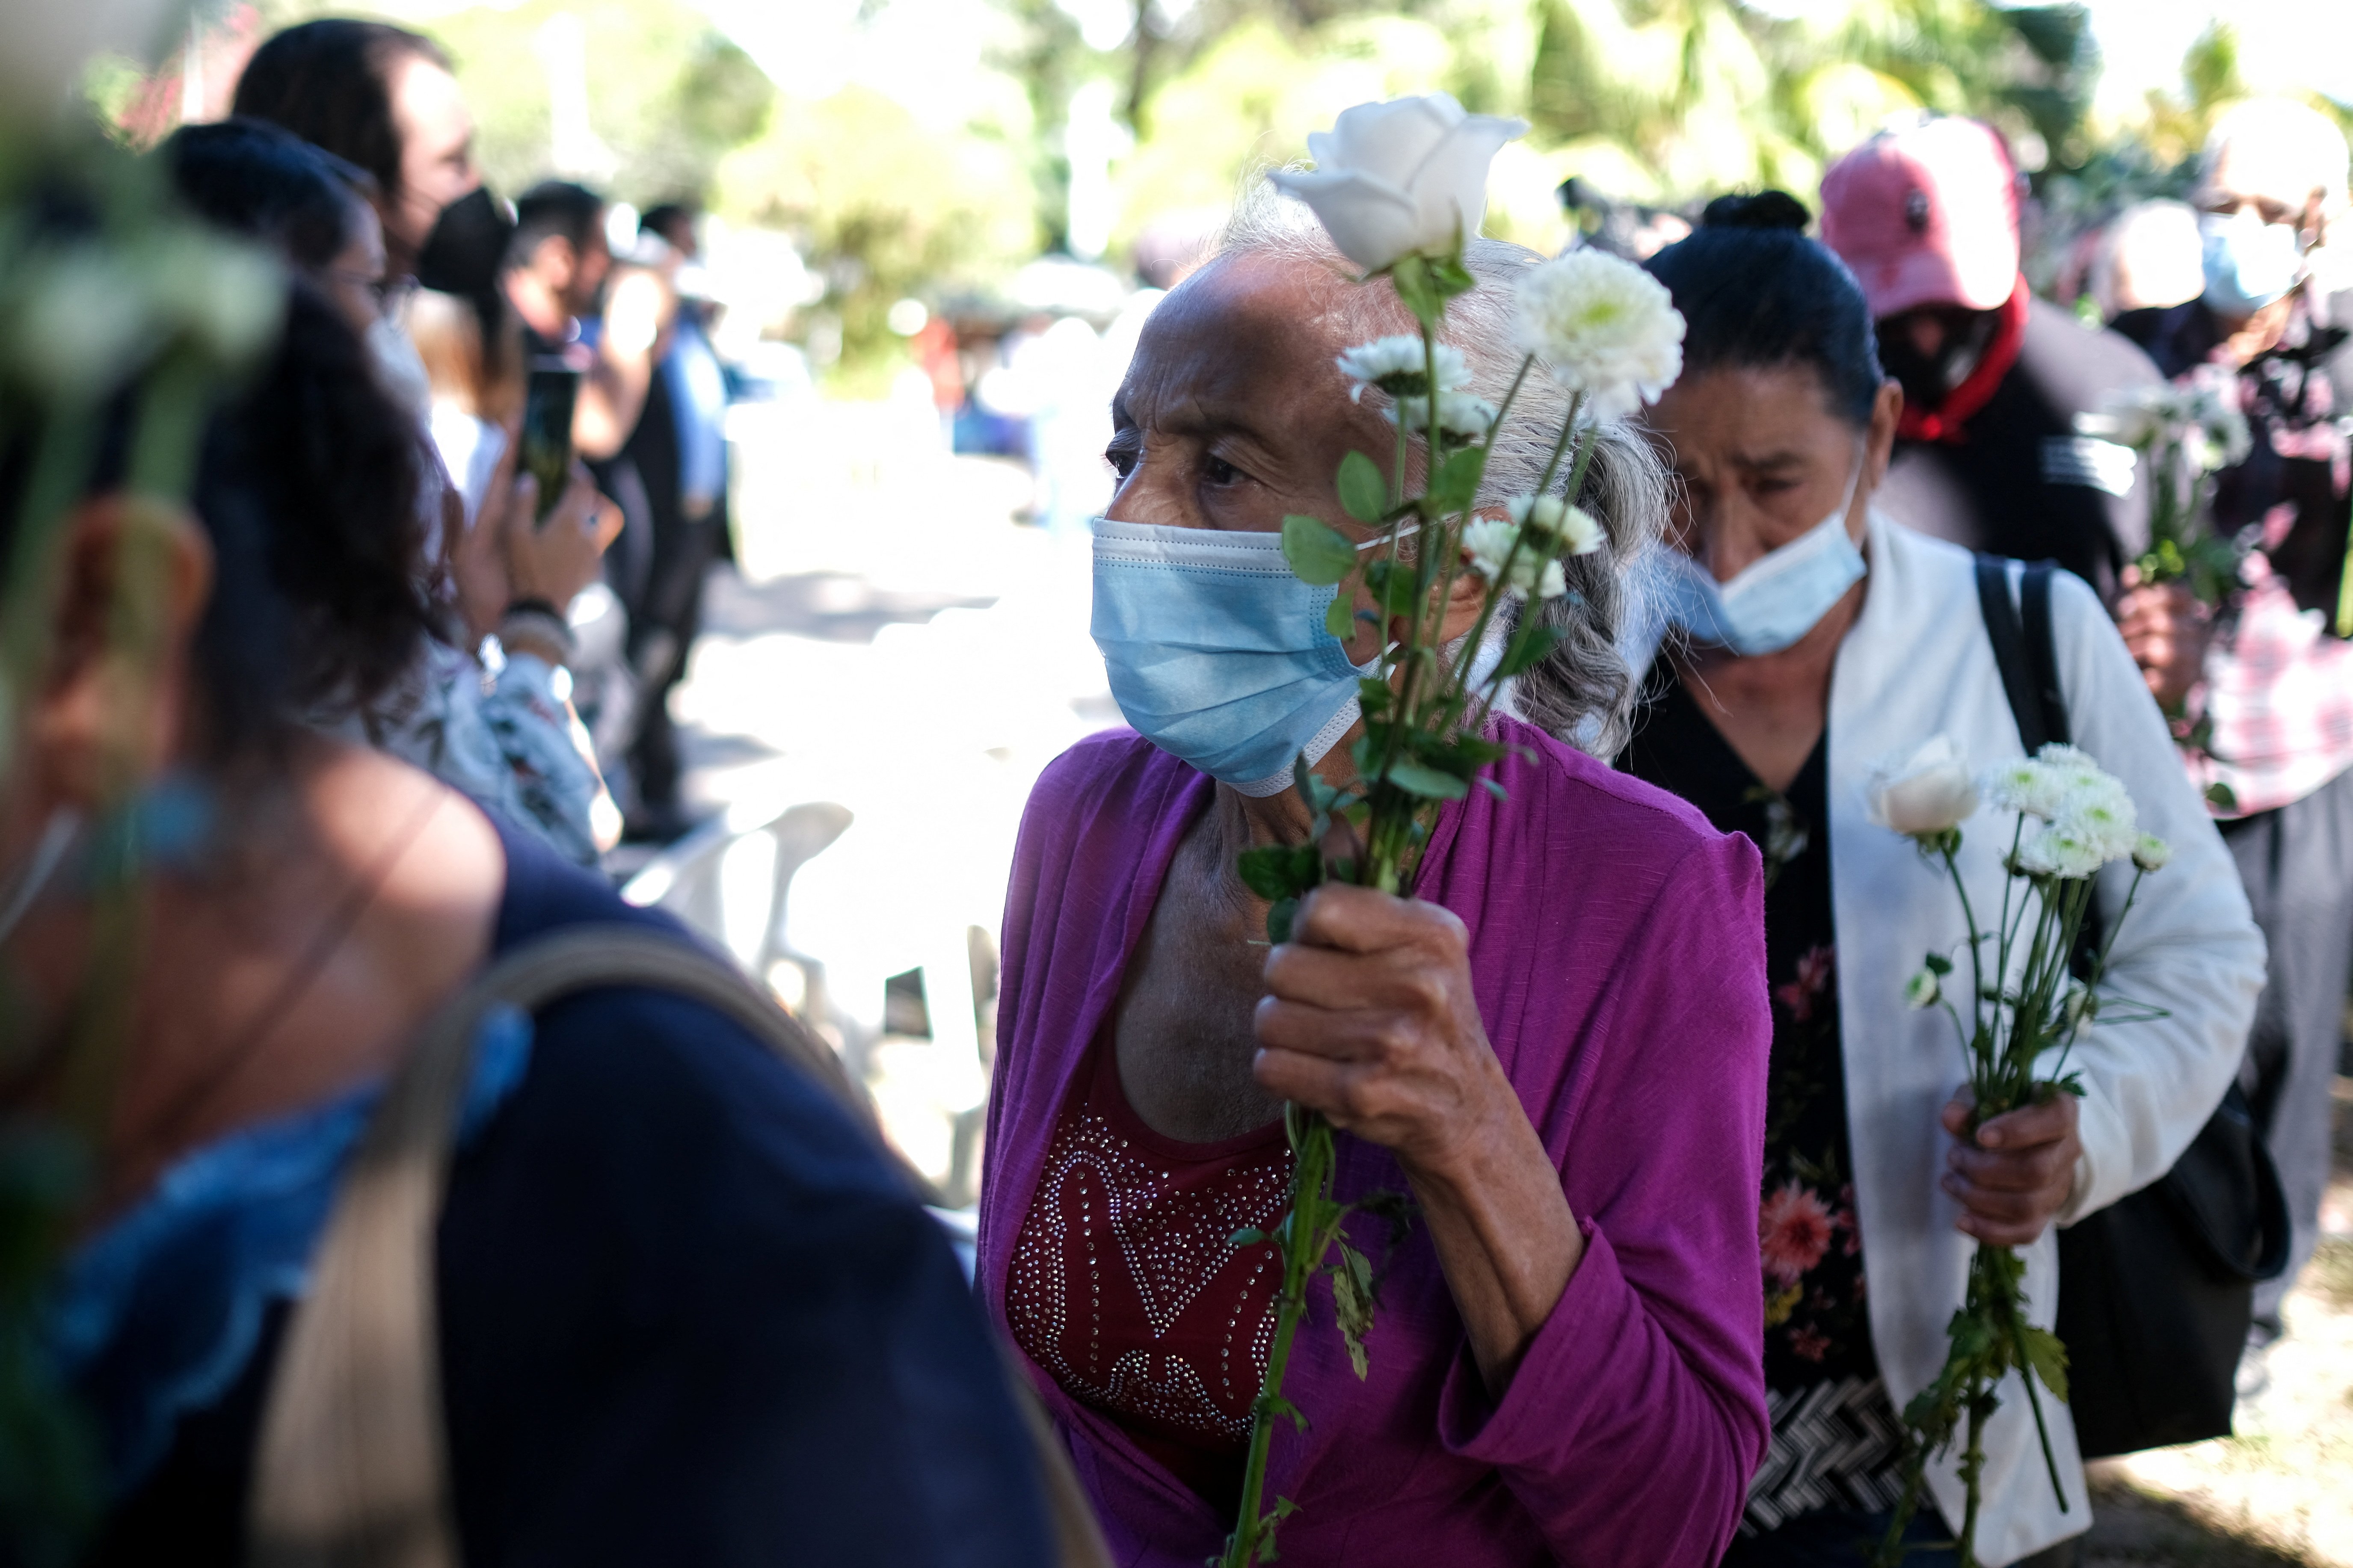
<point x="1125" y="1283"/>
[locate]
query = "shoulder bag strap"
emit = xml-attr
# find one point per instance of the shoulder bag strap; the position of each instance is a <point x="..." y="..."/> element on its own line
<point x="2042" y="651"/>
<point x="352" y="1469"/>
<point x="2007" y="636"/>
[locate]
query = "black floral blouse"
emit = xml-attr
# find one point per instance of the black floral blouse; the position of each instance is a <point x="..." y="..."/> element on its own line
<point x="1834" y="1434"/>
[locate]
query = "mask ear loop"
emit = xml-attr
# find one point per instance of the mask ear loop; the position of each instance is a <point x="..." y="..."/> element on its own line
<point x="48" y="853"/>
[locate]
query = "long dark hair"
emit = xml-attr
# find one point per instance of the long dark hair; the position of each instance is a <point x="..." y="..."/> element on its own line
<point x="1756" y="294"/>
<point x="330" y="82"/>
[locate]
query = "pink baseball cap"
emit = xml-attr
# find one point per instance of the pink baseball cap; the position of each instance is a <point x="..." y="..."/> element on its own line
<point x="1926" y="215"/>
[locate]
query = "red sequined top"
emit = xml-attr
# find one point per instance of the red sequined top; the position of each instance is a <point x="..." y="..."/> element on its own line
<point x="1125" y="1284"/>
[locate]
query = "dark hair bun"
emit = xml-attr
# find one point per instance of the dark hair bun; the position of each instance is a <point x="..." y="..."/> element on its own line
<point x="1766" y="209"/>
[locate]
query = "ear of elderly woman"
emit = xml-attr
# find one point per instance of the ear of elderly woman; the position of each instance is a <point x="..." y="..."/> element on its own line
<point x="1557" y="1047"/>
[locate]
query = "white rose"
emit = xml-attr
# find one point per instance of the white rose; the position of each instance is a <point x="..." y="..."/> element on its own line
<point x="1401" y="178"/>
<point x="1603" y="327"/>
<point x="1927" y="794"/>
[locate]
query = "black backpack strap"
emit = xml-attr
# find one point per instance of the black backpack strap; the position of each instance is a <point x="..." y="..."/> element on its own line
<point x="2006" y="633"/>
<point x="2042" y="650"/>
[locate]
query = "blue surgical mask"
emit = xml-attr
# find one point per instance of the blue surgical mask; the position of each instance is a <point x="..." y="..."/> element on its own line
<point x="1775" y="599"/>
<point x="1218" y="654"/>
<point x="2248" y="263"/>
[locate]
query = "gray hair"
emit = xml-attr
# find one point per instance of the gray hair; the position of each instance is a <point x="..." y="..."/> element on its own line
<point x="1582" y="692"/>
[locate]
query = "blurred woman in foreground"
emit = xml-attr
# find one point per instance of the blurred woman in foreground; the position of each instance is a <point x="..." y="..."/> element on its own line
<point x="686" y="1313"/>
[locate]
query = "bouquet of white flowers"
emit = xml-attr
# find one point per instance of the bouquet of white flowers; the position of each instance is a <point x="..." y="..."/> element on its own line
<point x="1398" y="185"/>
<point x="2034" y="986"/>
<point x="2185" y="431"/>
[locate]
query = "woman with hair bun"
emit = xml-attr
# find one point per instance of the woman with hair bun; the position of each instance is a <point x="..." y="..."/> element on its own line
<point x="1805" y="637"/>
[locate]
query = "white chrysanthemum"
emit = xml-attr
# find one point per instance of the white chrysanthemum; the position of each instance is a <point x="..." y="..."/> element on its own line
<point x="1578" y="534"/>
<point x="1489" y="543"/>
<point x="2050" y="851"/>
<point x="1922" y="990"/>
<point x="1603" y="327"/>
<point x="2024" y="786"/>
<point x="1461" y="415"/>
<point x="2104" y="818"/>
<point x="1397" y="366"/>
<point x="2151" y="853"/>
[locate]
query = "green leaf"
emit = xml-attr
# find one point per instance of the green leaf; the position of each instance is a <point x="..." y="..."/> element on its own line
<point x="1363" y="491"/>
<point x="1318" y="552"/>
<point x="1352" y="1303"/>
<point x="1532" y="650"/>
<point x="1409" y="274"/>
<point x="1246" y="1237"/>
<point x="1280" y="870"/>
<point x="1418" y="778"/>
<point x="2047" y="1356"/>
<point x="1276" y="1405"/>
<point x="1449" y="276"/>
<point x="1279" y="916"/>
<point x="1937" y="963"/>
<point x="2221" y="795"/>
<point x="1372" y="696"/>
<point x="1491" y="787"/>
<point x="1456" y="483"/>
<point x="1340" y="620"/>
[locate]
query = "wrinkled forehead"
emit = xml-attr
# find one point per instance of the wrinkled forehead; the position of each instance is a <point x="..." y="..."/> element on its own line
<point x="2276" y="167"/>
<point x="1250" y="329"/>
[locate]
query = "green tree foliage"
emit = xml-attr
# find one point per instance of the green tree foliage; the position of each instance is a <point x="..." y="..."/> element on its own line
<point x="668" y="94"/>
<point x="882" y="205"/>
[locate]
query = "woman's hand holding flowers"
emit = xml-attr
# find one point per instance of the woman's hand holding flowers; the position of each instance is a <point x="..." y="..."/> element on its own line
<point x="2017" y="1174"/>
<point x="1369" y="1020"/>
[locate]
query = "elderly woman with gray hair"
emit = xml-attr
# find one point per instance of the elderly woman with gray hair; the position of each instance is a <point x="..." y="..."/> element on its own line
<point x="1556" y="1045"/>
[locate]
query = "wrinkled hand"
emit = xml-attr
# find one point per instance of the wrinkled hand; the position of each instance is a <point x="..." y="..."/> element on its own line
<point x="2165" y="629"/>
<point x="2017" y="1174"/>
<point x="1369" y="1020"/>
<point x="556" y="558"/>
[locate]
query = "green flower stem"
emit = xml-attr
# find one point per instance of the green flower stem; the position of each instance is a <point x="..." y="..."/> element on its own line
<point x="1303" y="1246"/>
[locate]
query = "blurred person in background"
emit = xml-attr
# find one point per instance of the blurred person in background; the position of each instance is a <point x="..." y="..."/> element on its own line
<point x="1987" y="454"/>
<point x="687" y="1310"/>
<point x="2146" y="257"/>
<point x="509" y="745"/>
<point x="386" y="100"/>
<point x="679" y="447"/>
<point x="2271" y="675"/>
<point x="1768" y="713"/>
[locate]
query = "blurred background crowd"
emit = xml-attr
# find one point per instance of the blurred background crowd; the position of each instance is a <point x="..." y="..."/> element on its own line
<point x="848" y="285"/>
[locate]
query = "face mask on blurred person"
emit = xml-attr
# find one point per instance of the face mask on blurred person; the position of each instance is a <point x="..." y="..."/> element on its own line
<point x="469" y="242"/>
<point x="1775" y="599"/>
<point x="1218" y="652"/>
<point x="2248" y="263"/>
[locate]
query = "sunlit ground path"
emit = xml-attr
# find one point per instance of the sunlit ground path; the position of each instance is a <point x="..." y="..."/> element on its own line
<point x="2282" y="1490"/>
<point x="897" y="644"/>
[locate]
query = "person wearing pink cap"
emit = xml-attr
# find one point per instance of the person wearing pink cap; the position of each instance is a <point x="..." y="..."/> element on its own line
<point x="1987" y="454"/>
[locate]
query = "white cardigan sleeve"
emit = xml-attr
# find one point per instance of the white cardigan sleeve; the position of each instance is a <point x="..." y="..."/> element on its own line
<point x="2188" y="946"/>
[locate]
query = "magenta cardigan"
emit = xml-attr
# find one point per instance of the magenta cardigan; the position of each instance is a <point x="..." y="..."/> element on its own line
<point x="1617" y="954"/>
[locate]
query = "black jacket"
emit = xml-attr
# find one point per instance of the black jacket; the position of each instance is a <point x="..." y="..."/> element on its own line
<point x="2022" y="481"/>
